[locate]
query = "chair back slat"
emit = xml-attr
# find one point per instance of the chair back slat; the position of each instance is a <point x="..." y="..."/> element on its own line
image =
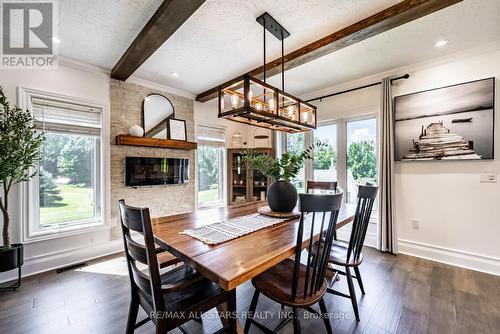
<point x="138" y="220"/>
<point x="135" y="250"/>
<point x="320" y="185"/>
<point x="326" y="207"/>
<point x="366" y="198"/>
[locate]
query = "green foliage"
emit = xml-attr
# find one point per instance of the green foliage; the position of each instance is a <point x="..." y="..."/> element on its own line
<point x="49" y="194"/>
<point x="285" y="168"/>
<point x="51" y="150"/>
<point x="325" y="156"/>
<point x="19" y="152"/>
<point x="75" y="159"/>
<point x="362" y="160"/>
<point x="208" y="169"/>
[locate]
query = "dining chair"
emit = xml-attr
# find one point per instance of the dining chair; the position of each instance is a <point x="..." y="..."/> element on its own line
<point x="349" y="255"/>
<point x="292" y="283"/>
<point x="323" y="186"/>
<point x="172" y="298"/>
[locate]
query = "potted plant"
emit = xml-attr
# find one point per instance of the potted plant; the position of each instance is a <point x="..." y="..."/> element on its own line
<point x="19" y="153"/>
<point x="281" y="194"/>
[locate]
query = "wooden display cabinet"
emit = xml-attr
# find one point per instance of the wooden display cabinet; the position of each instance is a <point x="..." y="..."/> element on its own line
<point x="244" y="183"/>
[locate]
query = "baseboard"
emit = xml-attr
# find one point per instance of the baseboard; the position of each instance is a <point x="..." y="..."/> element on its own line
<point x="62" y="259"/>
<point x="487" y="264"/>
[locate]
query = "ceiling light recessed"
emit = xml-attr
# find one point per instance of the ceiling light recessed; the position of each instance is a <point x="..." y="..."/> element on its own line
<point x="174" y="74"/>
<point x="56" y="40"/>
<point x="442" y="43"/>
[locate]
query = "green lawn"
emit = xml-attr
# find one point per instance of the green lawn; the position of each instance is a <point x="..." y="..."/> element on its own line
<point x="207" y="196"/>
<point x="76" y="205"/>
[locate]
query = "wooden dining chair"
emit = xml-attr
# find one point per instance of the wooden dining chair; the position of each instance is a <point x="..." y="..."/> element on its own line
<point x="292" y="283"/>
<point x="349" y="255"/>
<point x="172" y="298"/>
<point x="323" y="186"/>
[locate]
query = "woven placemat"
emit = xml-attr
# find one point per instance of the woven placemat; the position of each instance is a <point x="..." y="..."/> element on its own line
<point x="217" y="233"/>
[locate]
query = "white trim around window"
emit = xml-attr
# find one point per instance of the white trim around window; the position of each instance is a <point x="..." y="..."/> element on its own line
<point x="28" y="197"/>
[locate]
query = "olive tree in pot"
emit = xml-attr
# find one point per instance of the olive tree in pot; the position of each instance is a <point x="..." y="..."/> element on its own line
<point x="19" y="153"/>
<point x="281" y="194"/>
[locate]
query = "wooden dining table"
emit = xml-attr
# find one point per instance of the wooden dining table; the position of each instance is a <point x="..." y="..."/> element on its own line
<point x="234" y="262"/>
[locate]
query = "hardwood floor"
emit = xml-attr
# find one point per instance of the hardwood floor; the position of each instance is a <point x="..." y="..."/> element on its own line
<point x="404" y="295"/>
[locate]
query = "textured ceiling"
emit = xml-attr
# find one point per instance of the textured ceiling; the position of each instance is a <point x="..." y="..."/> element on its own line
<point x="99" y="31"/>
<point x="222" y="39"/>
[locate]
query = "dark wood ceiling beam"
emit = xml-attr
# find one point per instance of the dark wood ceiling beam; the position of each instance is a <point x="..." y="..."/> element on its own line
<point x="392" y="17"/>
<point x="166" y="20"/>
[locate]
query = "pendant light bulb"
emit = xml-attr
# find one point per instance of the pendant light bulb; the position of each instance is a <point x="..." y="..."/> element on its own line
<point x="250" y="95"/>
<point x="235" y="101"/>
<point x="258" y="106"/>
<point x="290" y="110"/>
<point x="271" y="104"/>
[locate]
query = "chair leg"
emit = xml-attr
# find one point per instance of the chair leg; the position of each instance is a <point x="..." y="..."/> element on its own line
<point x="325" y="315"/>
<point x="352" y="292"/>
<point x="251" y="310"/>
<point x="296" y="322"/>
<point x="360" y="281"/>
<point x="132" y="314"/>
<point x="231" y="308"/>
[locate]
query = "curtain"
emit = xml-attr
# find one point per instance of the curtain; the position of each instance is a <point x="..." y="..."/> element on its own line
<point x="387" y="229"/>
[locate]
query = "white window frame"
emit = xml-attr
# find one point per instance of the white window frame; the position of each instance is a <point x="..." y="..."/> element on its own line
<point x="29" y="196"/>
<point x="222" y="174"/>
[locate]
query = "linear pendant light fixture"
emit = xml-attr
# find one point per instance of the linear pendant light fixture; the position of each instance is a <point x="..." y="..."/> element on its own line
<point x="252" y="101"/>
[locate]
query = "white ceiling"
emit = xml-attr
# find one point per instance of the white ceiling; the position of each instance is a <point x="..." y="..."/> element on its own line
<point x="99" y="32"/>
<point x="222" y="39"/>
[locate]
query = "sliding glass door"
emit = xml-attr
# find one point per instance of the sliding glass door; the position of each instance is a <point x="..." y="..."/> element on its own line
<point x="325" y="159"/>
<point x="361" y="153"/>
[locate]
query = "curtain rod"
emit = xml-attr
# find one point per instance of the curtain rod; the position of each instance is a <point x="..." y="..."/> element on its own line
<point x="406" y="76"/>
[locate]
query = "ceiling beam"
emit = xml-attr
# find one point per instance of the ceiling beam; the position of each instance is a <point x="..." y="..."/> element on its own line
<point x="168" y="18"/>
<point x="392" y="17"/>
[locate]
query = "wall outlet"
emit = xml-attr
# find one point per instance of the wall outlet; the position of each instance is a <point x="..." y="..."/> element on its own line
<point x="488" y="178"/>
<point x="415" y="224"/>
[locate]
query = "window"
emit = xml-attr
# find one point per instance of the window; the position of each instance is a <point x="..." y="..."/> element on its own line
<point x="211" y="166"/>
<point x="325" y="159"/>
<point x="67" y="190"/>
<point x="361" y="139"/>
<point x="296" y="143"/>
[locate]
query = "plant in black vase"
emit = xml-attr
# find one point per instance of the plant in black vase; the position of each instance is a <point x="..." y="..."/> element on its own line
<point x="281" y="194"/>
<point x="19" y="154"/>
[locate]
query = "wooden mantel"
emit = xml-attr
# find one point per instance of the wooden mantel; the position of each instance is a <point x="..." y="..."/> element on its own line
<point x="155" y="142"/>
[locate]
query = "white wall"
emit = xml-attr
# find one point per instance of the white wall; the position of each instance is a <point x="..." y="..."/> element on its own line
<point x="75" y="82"/>
<point x="459" y="216"/>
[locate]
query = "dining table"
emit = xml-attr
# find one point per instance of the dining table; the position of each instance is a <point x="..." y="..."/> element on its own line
<point x="234" y="262"/>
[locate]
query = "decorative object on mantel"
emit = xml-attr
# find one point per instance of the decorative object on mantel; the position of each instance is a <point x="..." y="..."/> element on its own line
<point x="237" y="139"/>
<point x="217" y="233"/>
<point x="154" y="142"/>
<point x="281" y="194"/>
<point x="266" y="211"/>
<point x="251" y="101"/>
<point x="176" y="129"/>
<point x="20" y="149"/>
<point x="136" y="131"/>
<point x="156" y="110"/>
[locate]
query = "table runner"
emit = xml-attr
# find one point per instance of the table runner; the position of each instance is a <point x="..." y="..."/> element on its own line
<point x="217" y="233"/>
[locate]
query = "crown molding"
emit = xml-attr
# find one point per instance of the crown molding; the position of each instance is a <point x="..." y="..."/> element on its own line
<point x="83" y="66"/>
<point x="158" y="86"/>
<point x="423" y="65"/>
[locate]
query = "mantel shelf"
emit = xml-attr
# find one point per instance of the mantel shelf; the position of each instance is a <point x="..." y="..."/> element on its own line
<point x="155" y="142"/>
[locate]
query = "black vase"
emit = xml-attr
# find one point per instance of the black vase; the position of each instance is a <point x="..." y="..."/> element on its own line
<point x="11" y="258"/>
<point x="282" y="196"/>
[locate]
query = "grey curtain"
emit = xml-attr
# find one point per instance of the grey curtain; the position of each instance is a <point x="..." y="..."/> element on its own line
<point x="387" y="229"/>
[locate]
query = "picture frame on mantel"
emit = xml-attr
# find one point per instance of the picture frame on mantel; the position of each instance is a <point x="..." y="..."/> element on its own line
<point x="177" y="129"/>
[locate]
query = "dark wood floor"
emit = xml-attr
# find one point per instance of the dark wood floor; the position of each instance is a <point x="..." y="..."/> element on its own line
<point x="404" y="295"/>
